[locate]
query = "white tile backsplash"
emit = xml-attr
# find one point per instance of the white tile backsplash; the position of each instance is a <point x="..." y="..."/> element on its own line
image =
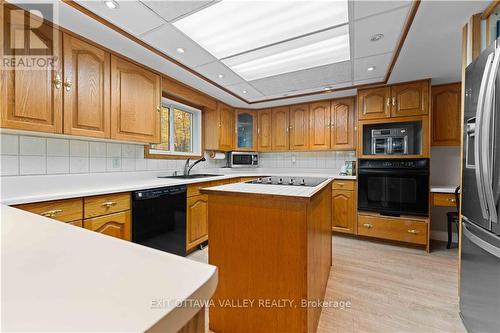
<point x="78" y="164"/>
<point x="97" y="149"/>
<point x="57" y="164"/>
<point x="97" y="164"/>
<point x="32" y="145"/>
<point x="128" y="151"/>
<point x="32" y="165"/>
<point x="114" y="150"/>
<point x="57" y="147"/>
<point x="9" y="144"/>
<point x="113" y="164"/>
<point x="79" y="148"/>
<point x="9" y="165"/>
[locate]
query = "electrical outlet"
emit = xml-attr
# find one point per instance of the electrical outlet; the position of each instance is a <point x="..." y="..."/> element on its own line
<point x="294" y="159"/>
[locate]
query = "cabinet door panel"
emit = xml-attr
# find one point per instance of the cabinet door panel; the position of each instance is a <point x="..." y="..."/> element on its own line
<point x="342" y="123"/>
<point x="197" y="220"/>
<point x="343" y="211"/>
<point x="319" y="125"/>
<point x="264" y="130"/>
<point x="446" y="106"/>
<point x="115" y="225"/>
<point x="86" y="101"/>
<point x="31" y="99"/>
<point x="410" y="99"/>
<point x="246" y="130"/>
<point x="374" y="103"/>
<point x="280" y="138"/>
<point x="226" y="127"/>
<point x="299" y="127"/>
<point x="135" y="101"/>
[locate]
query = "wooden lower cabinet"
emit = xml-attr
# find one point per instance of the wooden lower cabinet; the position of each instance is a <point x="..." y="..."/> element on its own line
<point x="116" y="225"/>
<point x="343" y="211"/>
<point x="197" y="220"/>
<point x="404" y="229"/>
<point x="443" y="199"/>
<point x="67" y="210"/>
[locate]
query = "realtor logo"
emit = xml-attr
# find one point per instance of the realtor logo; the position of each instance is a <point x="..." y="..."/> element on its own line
<point x="29" y="42"/>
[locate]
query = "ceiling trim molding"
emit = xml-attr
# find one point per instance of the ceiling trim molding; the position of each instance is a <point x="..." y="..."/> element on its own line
<point x="409" y="20"/>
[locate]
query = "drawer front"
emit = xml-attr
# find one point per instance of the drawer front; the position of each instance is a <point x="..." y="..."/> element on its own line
<point x="246" y="179"/>
<point x="116" y="225"/>
<point x="61" y="210"/>
<point x="194" y="189"/>
<point x="220" y="182"/>
<point x="77" y="223"/>
<point x="443" y="199"/>
<point x="235" y="180"/>
<point x="410" y="231"/>
<point x="105" y="204"/>
<point x="343" y="185"/>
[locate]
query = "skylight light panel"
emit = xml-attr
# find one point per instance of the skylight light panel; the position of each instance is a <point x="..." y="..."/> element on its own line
<point x="228" y="27"/>
<point x="327" y="47"/>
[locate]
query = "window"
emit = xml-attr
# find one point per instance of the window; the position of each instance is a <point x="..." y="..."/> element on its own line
<point x="180" y="130"/>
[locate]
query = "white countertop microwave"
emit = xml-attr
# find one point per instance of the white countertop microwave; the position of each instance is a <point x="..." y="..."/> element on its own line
<point x="240" y="159"/>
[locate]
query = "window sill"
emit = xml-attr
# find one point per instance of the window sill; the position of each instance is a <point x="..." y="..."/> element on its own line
<point x="147" y="154"/>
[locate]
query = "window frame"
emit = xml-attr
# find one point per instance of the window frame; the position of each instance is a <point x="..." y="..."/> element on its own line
<point x="196" y="133"/>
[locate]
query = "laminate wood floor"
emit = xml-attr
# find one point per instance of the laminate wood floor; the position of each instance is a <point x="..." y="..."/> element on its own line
<point x="390" y="288"/>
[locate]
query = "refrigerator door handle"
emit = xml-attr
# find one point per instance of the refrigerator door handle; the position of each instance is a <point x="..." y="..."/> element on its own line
<point x="478" y="159"/>
<point x="486" y="140"/>
<point x="493" y="250"/>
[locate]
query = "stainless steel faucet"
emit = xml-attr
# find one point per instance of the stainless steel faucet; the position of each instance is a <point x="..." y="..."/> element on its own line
<point x="187" y="168"/>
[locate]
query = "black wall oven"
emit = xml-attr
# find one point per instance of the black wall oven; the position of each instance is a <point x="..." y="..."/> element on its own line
<point x="394" y="187"/>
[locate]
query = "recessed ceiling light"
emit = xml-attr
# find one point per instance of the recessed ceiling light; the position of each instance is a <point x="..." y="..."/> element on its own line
<point x="234" y="27"/>
<point x="111" y="4"/>
<point x="244" y="91"/>
<point x="371" y="68"/>
<point x="220" y="76"/>
<point x="376" y="37"/>
<point x="327" y="88"/>
<point x="180" y="50"/>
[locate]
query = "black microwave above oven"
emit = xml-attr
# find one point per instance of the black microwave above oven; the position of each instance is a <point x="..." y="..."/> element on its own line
<point x="394" y="187"/>
<point x="237" y="159"/>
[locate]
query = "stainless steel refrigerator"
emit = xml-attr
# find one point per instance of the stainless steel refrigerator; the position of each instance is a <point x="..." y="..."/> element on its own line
<point x="480" y="268"/>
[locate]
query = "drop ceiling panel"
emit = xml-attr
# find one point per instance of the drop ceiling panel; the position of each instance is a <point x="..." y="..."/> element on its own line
<point x="367" y="8"/>
<point x="380" y="62"/>
<point x="167" y="39"/>
<point x="389" y="24"/>
<point x="132" y="16"/>
<point x="213" y="69"/>
<point x="171" y="10"/>
<point x="297" y="81"/>
<point x="251" y="92"/>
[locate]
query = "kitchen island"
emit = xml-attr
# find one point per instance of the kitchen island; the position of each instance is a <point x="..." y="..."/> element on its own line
<point x="58" y="278"/>
<point x="272" y="246"/>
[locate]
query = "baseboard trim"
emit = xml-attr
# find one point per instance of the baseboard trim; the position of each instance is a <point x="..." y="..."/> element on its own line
<point x="443" y="236"/>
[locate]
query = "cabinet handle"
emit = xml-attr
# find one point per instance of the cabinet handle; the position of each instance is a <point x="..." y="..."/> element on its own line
<point x="68" y="85"/>
<point x="158" y="109"/>
<point x="58" y="81"/>
<point x="109" y="204"/>
<point x="451" y="200"/>
<point x="388" y="101"/>
<point x="340" y="184"/>
<point x="413" y="231"/>
<point x="368" y="225"/>
<point x="258" y="130"/>
<point x="394" y="101"/>
<point x="51" y="213"/>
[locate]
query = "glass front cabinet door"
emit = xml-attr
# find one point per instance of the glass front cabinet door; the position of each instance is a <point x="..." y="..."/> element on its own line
<point x="246" y="130"/>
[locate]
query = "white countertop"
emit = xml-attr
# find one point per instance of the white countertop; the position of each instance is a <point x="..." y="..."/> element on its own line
<point x="279" y="190"/>
<point x="57" y="277"/>
<point x="443" y="188"/>
<point x="26" y="189"/>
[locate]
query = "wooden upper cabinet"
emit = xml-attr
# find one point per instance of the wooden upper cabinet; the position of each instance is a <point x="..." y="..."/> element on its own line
<point x="299" y="127"/>
<point x="32" y="98"/>
<point x="280" y="123"/>
<point x="135" y="102"/>
<point x="226" y="127"/>
<point x="264" y="130"/>
<point x="410" y="99"/>
<point x="446" y="120"/>
<point x="319" y="125"/>
<point x="246" y="130"/>
<point x="374" y="103"/>
<point x="342" y="124"/>
<point x="87" y="89"/>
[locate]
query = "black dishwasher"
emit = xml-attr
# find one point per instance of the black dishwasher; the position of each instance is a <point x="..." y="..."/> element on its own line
<point x="159" y="218"/>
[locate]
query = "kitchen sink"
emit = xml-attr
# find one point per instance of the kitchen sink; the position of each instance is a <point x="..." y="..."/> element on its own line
<point x="193" y="176"/>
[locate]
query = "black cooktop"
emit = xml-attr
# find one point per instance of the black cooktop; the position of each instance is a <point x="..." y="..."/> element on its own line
<point x="290" y="181"/>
